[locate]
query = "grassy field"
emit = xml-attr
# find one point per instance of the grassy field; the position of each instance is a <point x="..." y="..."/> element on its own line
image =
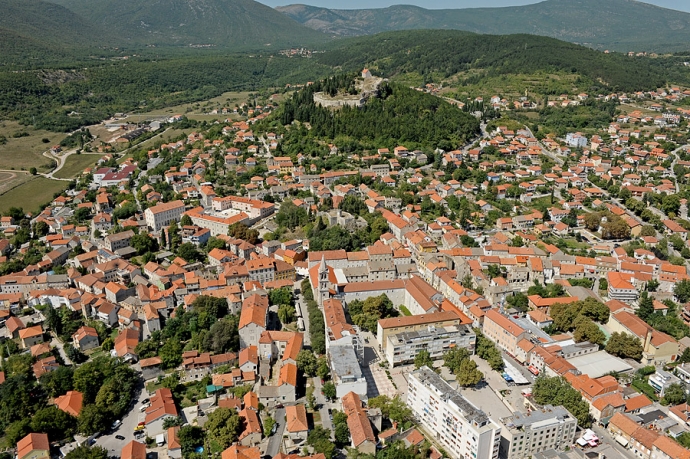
<point x="32" y="194"/>
<point x="197" y="110"/>
<point x="26" y="151"/>
<point x="9" y="180"/>
<point x="75" y="164"/>
<point x="511" y="86"/>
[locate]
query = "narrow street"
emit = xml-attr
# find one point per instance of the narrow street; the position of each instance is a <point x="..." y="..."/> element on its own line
<point x="323" y="405"/>
<point x="276" y="439"/>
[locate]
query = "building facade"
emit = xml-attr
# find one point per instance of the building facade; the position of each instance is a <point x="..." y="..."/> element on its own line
<point x="536" y="431"/>
<point x="403" y="347"/>
<point x="463" y="430"/>
<point x="162" y="215"/>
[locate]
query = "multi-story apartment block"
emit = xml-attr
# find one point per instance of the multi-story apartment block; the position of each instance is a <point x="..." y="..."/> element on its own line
<point x="503" y="331"/>
<point x="403" y="347"/>
<point x="526" y="434"/>
<point x="162" y="215"/>
<point x="464" y="430"/>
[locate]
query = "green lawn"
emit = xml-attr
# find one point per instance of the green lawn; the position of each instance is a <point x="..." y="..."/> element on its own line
<point x="75" y="164"/>
<point x="32" y="194"/>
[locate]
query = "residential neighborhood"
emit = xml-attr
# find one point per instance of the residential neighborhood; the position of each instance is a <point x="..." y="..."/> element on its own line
<point x="244" y="293"/>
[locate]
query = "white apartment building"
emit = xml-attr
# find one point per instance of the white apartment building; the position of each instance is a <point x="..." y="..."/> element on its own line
<point x="464" y="430"/>
<point x="526" y="434"/>
<point x="403" y="347"/>
<point x="162" y="215"/>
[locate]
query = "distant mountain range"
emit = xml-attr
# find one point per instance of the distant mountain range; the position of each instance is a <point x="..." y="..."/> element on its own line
<point x="39" y="27"/>
<point x="620" y="25"/>
<point x="224" y="23"/>
<point x="36" y="32"/>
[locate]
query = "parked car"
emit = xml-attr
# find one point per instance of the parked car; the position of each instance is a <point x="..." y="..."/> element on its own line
<point x="117" y="424"/>
<point x="119" y="437"/>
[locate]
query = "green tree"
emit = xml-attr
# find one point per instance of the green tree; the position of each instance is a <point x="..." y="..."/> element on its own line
<point x="41" y="228"/>
<point x="74" y="354"/>
<point x="223" y="336"/>
<point x="88" y="452"/>
<point x="58" y="381"/>
<point x="595" y="310"/>
<point x="286" y="314"/>
<point x="290" y="216"/>
<point x="215" y="243"/>
<point x="53" y="421"/>
<point x="487" y="350"/>
<point x="186" y="220"/>
<point x="625" y="346"/>
<point x="646" y="308"/>
<point x="373" y="309"/>
<point x="556" y="391"/>
<point x="342" y="434"/>
<point x="190" y="253"/>
<point x="307" y="362"/>
<point x="468" y="375"/>
<point x="172" y="421"/>
<point x="329" y="390"/>
<point x="423" y="359"/>
<point x="592" y="221"/>
<point x="18" y="399"/>
<point x="224" y="427"/>
<point x="685" y="356"/>
<point x="519" y="301"/>
<point x="648" y="230"/>
<point x="268" y="426"/>
<point x="674" y="394"/>
<point x="170" y="354"/>
<point x="242" y="231"/>
<point x="17" y="430"/>
<point x="280" y="296"/>
<point x="91" y="420"/>
<point x="320" y="439"/>
<point x="323" y="371"/>
<point x="190" y="438"/>
<point x="143" y="243"/>
<point x="682" y="291"/>
<point x="587" y="330"/>
<point x="454" y="357"/>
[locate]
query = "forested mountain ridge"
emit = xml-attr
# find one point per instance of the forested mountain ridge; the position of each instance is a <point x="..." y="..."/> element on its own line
<point x="439" y="54"/>
<point x="453" y="57"/>
<point x="621" y="25"/>
<point x="236" y="24"/>
<point x="35" y="28"/>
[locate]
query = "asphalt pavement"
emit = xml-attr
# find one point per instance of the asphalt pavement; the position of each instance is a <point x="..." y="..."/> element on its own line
<point x="276" y="439"/>
<point x="323" y="405"/>
<point x="108" y="441"/>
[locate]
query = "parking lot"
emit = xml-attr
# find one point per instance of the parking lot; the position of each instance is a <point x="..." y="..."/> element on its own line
<point x="129" y="422"/>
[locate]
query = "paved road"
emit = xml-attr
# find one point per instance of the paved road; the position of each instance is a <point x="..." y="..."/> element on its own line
<point x="276" y="439"/>
<point x="610" y="447"/>
<point x="129" y="422"/>
<point x="305" y="316"/>
<point x="54" y="342"/>
<point x="323" y="405"/>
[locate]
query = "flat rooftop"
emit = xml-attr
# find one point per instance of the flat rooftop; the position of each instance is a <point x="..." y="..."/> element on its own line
<point x="471" y="413"/>
<point x="598" y="364"/>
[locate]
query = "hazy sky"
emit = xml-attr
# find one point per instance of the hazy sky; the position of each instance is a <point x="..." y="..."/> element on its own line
<point x="682" y="5"/>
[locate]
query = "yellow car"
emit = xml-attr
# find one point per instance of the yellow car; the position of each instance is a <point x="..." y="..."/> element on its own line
<point x="138" y="428"/>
